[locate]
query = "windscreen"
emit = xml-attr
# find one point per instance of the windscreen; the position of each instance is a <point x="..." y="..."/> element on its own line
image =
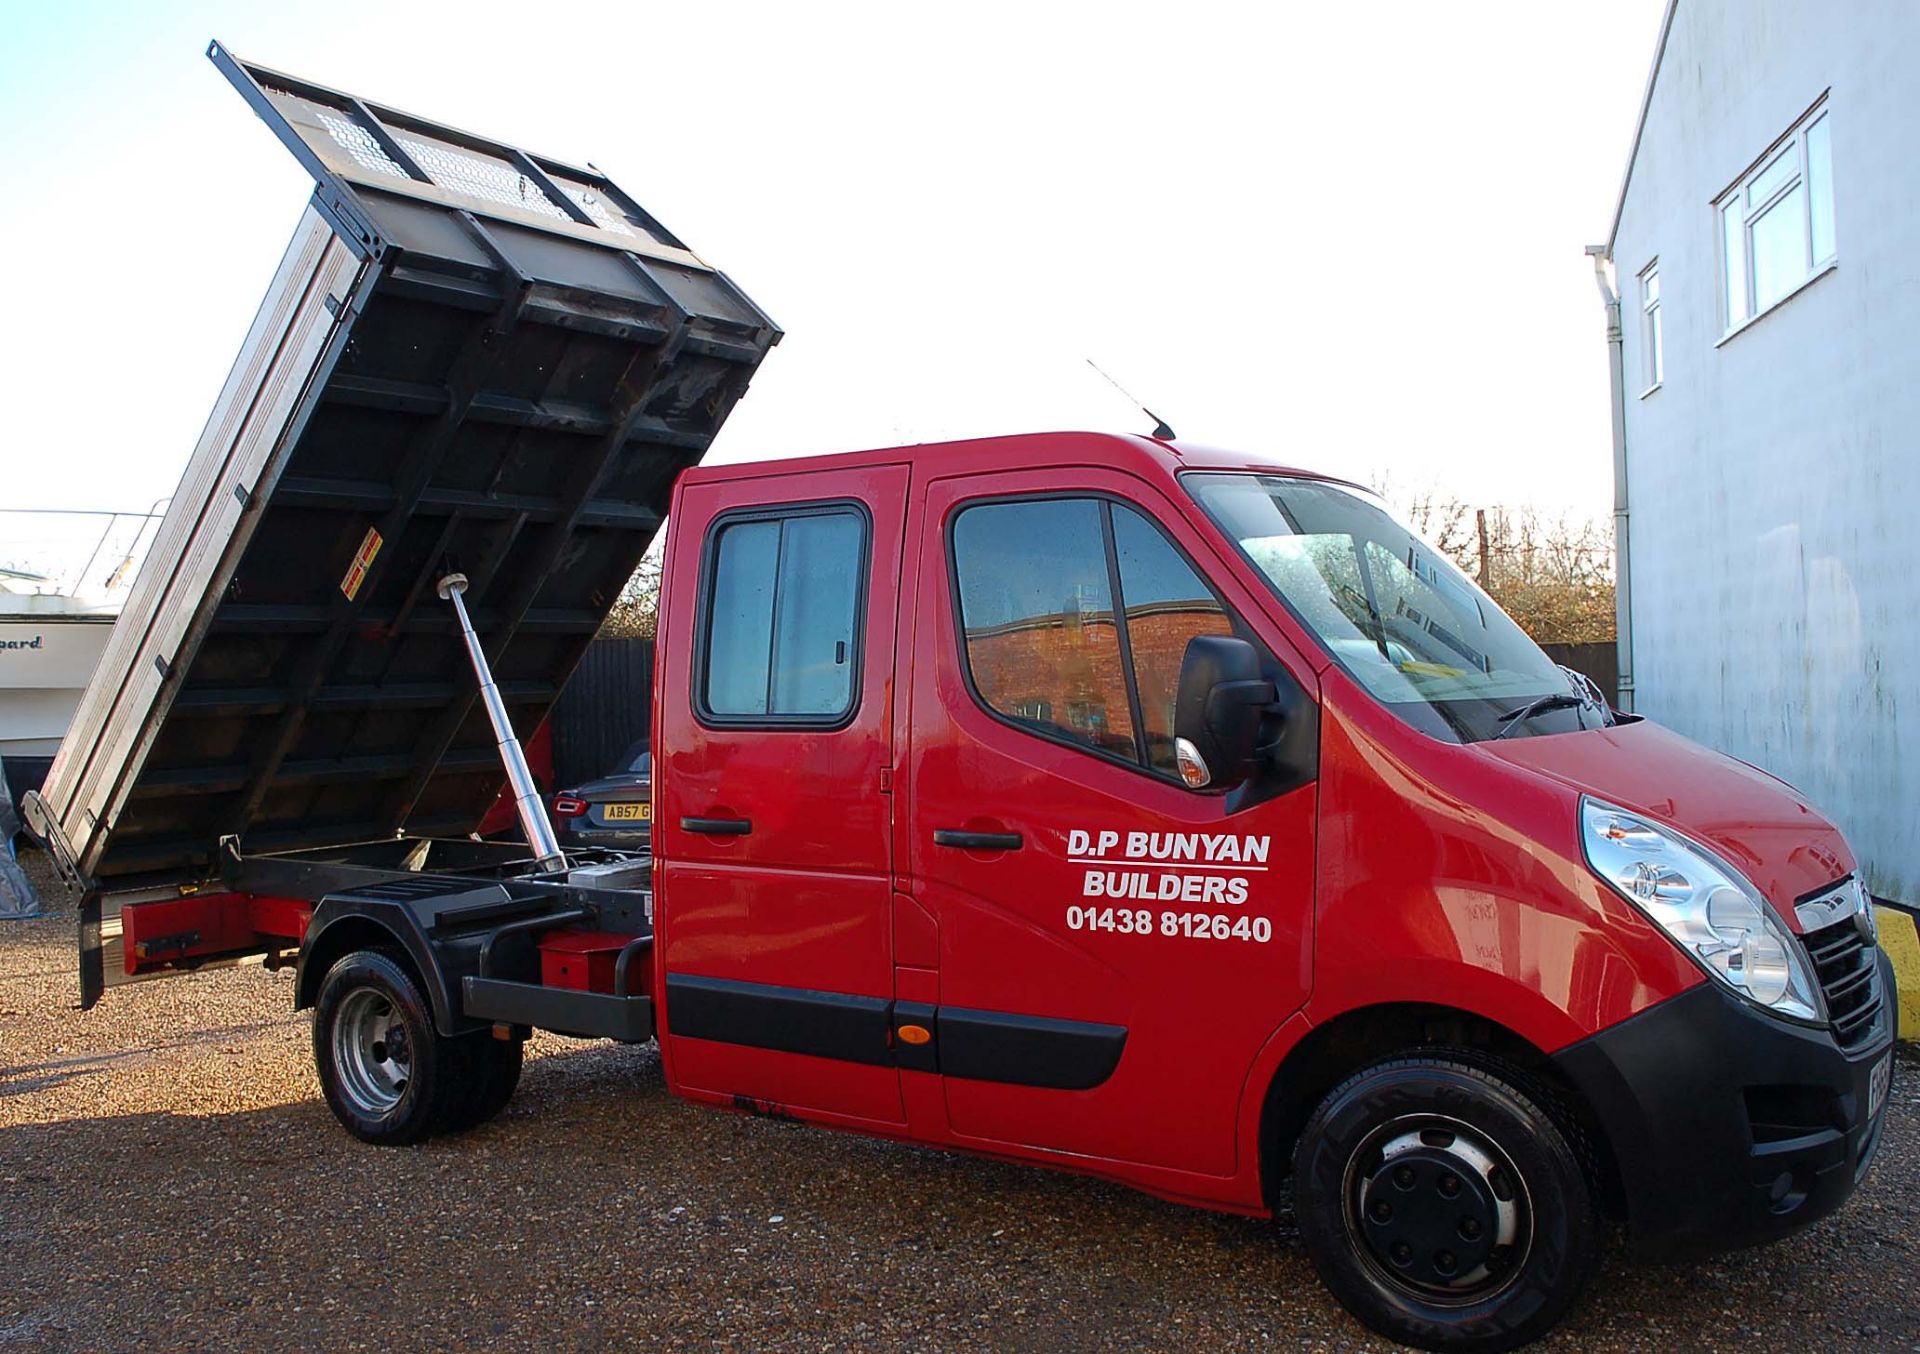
<point x="1394" y="612"/>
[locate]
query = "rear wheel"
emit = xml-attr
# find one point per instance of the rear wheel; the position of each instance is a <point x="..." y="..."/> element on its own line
<point x="387" y="1074"/>
<point x="1444" y="1205"/>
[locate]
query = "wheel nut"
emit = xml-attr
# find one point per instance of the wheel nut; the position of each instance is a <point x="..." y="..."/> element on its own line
<point x="1402" y="1252"/>
<point x="1403" y="1177"/>
<point x="1382" y="1211"/>
<point x="1470" y="1228"/>
<point x="1449" y="1185"/>
<point x="1444" y="1261"/>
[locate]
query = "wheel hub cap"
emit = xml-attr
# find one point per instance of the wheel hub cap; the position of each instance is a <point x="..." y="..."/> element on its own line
<point x="370" y="1052"/>
<point x="1439" y="1211"/>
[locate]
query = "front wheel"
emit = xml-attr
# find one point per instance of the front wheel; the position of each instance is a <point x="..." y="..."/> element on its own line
<point x="1444" y="1206"/>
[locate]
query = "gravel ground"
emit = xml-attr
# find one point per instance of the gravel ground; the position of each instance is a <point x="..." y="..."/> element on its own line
<point x="170" y="1179"/>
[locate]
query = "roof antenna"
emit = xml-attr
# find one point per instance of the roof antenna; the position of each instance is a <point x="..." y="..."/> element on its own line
<point x="1160" y="428"/>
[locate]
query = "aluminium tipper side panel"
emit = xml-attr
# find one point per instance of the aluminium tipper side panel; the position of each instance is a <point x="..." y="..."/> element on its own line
<point x="496" y="390"/>
<point x="208" y="521"/>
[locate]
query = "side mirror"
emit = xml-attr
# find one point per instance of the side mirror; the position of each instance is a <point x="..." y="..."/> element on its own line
<point x="1216" y="716"/>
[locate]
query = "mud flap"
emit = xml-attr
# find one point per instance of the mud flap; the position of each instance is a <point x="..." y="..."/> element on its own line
<point x="92" y="979"/>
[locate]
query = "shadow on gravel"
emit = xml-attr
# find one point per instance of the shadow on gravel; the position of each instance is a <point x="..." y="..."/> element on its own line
<point x="42" y="1076"/>
<point x="21" y="1081"/>
<point x="600" y="1211"/>
<point x="597" y="1211"/>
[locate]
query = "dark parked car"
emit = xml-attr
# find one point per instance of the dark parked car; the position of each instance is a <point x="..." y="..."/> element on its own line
<point x="616" y="810"/>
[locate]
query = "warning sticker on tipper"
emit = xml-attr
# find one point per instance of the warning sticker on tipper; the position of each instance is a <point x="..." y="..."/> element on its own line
<point x="362" y="561"/>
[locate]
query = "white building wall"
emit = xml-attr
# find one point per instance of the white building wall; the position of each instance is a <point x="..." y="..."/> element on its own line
<point x="1774" y="479"/>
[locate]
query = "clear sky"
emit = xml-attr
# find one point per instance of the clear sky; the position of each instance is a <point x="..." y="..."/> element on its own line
<point x="1346" y="235"/>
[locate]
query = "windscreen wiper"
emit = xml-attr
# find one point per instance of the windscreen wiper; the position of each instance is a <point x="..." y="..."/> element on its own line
<point x="1556" y="700"/>
<point x="1584" y="685"/>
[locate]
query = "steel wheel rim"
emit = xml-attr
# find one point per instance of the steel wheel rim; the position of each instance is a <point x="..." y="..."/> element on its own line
<point x="370" y="1052"/>
<point x="1473" y="1151"/>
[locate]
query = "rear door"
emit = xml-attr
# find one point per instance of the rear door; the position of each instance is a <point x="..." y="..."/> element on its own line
<point x="773" y="823"/>
<point x="1114" y="948"/>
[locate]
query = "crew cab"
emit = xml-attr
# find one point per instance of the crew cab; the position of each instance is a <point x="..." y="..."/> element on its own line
<point x="1109" y="803"/>
<point x="1197" y="825"/>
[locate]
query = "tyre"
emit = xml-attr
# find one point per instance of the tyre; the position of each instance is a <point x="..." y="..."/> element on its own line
<point x="489" y="1072"/>
<point x="1444" y="1205"/>
<point x="387" y="1075"/>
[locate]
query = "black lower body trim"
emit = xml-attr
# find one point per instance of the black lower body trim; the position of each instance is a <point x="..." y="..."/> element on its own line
<point x="785" y="1019"/>
<point x="1018" y="1050"/>
<point x="1067" y="1055"/>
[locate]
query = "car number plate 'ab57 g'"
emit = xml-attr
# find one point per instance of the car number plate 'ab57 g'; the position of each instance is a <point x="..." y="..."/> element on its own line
<point x="629" y="813"/>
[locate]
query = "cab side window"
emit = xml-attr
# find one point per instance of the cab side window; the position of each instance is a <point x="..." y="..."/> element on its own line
<point x="1075" y="616"/>
<point x="780" y="603"/>
<point x="1166" y="605"/>
<point x="1036" y="599"/>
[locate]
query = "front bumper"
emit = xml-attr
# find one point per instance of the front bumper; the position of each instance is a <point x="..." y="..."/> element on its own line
<point x="1729" y="1128"/>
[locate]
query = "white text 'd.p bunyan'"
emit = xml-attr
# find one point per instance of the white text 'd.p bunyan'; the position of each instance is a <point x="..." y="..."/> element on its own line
<point x="1192" y="867"/>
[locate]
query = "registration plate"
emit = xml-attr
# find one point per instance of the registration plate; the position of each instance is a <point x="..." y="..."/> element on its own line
<point x="629" y="813"/>
<point x="1878" y="1081"/>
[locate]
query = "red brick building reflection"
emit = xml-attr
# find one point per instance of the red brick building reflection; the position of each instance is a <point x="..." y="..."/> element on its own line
<point x="1064" y="670"/>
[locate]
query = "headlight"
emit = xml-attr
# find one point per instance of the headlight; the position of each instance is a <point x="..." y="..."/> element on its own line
<point x="1710" y="911"/>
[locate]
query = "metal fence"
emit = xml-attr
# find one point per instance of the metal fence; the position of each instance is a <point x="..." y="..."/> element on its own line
<point x="603" y="710"/>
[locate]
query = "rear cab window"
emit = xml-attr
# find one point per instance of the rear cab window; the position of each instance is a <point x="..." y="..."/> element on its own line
<point x="780" y="616"/>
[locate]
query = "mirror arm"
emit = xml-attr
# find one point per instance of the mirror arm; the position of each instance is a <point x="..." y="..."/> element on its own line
<point x="1275" y="711"/>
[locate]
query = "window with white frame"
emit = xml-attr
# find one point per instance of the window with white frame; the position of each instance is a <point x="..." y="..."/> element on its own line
<point x="1653" y="350"/>
<point x="1776" y="224"/>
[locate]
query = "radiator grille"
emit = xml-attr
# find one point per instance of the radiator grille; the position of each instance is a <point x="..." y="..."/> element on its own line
<point x="1847" y="970"/>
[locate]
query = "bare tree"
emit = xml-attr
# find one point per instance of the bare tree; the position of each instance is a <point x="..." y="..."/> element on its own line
<point x="1554" y="575"/>
<point x="635" y="615"/>
<point x="1446" y="522"/>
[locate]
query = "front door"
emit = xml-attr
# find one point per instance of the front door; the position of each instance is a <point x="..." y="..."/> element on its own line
<point x="1114" y="948"/>
<point x="772" y="821"/>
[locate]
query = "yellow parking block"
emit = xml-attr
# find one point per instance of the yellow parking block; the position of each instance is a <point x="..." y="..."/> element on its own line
<point x="1899" y="939"/>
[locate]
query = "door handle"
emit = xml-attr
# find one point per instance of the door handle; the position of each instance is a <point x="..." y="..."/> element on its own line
<point x="977" y="841"/>
<point x="718" y="827"/>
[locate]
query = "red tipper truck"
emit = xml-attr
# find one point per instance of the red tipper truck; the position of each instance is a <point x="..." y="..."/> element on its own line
<point x="1101" y="802"/>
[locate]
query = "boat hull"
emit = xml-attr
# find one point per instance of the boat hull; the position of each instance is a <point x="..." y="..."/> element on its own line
<point x="45" y="665"/>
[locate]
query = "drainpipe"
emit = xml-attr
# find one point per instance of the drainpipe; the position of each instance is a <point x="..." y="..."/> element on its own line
<point x="1622" y="570"/>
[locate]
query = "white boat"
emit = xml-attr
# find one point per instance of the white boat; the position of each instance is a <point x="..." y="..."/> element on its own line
<point x="54" y="625"/>
<point x="49" y="646"/>
<point x="50" y="643"/>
